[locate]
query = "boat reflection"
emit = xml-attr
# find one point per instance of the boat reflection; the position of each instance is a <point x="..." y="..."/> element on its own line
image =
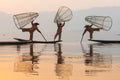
<point x="63" y="70"/>
<point x="96" y="62"/>
<point x="27" y="62"/>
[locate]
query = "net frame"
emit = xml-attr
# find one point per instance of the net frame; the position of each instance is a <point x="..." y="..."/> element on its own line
<point x="59" y="14"/>
<point x="23" y="19"/>
<point x="104" y="22"/>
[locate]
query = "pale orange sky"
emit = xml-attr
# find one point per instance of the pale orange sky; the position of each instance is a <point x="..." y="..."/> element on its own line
<point x="17" y="6"/>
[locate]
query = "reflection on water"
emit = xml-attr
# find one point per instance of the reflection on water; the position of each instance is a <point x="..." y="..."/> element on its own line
<point x="27" y="62"/>
<point x="63" y="70"/>
<point x="59" y="62"/>
<point x="96" y="62"/>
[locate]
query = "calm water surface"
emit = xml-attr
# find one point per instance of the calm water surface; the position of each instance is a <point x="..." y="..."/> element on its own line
<point x="61" y="61"/>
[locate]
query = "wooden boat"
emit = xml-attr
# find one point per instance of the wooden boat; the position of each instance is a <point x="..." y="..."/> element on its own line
<point x="106" y="41"/>
<point x="23" y="41"/>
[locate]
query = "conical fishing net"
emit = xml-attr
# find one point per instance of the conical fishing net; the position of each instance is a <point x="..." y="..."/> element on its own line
<point x="104" y="22"/>
<point x="23" y="19"/>
<point x="63" y="14"/>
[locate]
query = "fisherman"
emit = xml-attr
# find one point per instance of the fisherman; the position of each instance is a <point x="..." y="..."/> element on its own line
<point x="31" y="30"/>
<point x="90" y="30"/>
<point x="59" y="30"/>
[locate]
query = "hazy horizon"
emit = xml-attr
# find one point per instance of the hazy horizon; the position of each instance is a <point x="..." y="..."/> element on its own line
<point x="18" y="6"/>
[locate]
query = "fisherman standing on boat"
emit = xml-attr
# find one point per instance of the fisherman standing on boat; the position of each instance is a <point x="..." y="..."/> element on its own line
<point x="31" y="30"/>
<point x="90" y="30"/>
<point x="59" y="30"/>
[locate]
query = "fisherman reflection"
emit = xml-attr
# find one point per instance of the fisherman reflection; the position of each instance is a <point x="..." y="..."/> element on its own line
<point x="96" y="62"/>
<point x="28" y="63"/>
<point x="63" y="70"/>
<point x="89" y="56"/>
<point x="60" y="58"/>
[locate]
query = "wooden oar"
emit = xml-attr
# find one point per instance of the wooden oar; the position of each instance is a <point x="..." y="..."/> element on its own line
<point x="43" y="36"/>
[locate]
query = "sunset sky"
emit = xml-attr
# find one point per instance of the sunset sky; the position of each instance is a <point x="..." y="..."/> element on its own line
<point x="17" y="6"/>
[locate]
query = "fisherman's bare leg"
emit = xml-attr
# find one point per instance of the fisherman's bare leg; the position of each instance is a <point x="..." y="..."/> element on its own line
<point x="55" y="36"/>
<point x="96" y="29"/>
<point x="25" y="29"/>
<point x="31" y="37"/>
<point x="91" y="35"/>
<point x="59" y="36"/>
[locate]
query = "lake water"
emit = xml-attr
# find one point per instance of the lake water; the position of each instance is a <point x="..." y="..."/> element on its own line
<point x="60" y="61"/>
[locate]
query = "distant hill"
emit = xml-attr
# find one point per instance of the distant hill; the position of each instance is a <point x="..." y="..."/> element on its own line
<point x="75" y="26"/>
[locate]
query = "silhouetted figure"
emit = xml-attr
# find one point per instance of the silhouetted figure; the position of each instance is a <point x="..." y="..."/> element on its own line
<point x="59" y="30"/>
<point x="90" y="30"/>
<point x="31" y="30"/>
